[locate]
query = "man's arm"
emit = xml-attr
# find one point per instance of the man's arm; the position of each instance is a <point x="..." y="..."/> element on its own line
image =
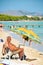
<point x="3" y="49"/>
<point x="12" y="47"/>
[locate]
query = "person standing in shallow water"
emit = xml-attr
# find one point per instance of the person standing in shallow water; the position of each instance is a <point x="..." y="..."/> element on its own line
<point x="12" y="48"/>
<point x="1" y="27"/>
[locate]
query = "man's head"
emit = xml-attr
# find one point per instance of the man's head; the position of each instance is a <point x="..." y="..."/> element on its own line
<point x="9" y="39"/>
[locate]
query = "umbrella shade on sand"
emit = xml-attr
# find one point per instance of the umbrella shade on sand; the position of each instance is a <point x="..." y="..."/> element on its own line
<point x="29" y="33"/>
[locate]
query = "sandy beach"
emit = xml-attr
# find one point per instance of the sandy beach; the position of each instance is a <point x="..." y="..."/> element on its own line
<point x="30" y="52"/>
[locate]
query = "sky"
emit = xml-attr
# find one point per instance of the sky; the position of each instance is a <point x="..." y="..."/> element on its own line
<point x="27" y="5"/>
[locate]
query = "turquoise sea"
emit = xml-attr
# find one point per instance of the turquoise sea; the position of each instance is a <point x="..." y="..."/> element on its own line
<point x="36" y="26"/>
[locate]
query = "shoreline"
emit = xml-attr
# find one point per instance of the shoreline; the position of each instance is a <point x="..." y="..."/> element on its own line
<point x="24" y="21"/>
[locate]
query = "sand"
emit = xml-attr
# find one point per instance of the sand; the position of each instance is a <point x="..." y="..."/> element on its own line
<point x="34" y="56"/>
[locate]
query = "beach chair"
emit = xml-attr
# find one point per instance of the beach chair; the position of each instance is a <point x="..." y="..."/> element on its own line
<point x="12" y="54"/>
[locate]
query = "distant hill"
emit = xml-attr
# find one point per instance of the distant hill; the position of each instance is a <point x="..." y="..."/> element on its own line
<point x="20" y="13"/>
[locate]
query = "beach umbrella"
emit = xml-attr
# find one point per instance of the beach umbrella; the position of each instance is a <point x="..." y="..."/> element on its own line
<point x="29" y="33"/>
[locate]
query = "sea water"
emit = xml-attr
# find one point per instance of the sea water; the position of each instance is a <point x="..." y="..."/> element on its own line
<point x="36" y="26"/>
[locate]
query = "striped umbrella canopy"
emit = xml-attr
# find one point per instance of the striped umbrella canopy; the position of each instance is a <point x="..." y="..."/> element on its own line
<point x="29" y="33"/>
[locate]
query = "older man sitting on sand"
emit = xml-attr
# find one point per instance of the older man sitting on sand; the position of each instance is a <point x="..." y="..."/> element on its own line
<point x="12" y="48"/>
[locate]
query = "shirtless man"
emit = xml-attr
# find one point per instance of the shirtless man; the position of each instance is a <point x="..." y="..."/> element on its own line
<point x="12" y="48"/>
